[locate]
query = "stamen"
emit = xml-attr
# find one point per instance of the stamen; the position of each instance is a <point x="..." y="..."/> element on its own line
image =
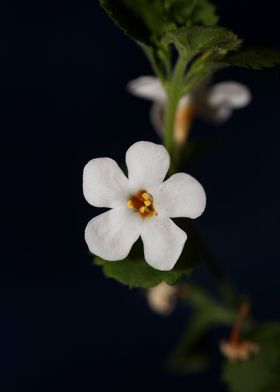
<point x="142" y="209"/>
<point x="130" y="204"/>
<point x="146" y="196"/>
<point x="142" y="202"/>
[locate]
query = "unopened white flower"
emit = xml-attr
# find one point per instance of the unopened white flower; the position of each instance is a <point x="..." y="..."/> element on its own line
<point x="239" y="351"/>
<point x="215" y="103"/>
<point x="162" y="298"/>
<point x="141" y="205"/>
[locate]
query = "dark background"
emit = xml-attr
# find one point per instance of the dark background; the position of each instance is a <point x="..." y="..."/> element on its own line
<point x="64" y="327"/>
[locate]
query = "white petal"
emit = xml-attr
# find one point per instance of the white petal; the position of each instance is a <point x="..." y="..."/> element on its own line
<point x="180" y="196"/>
<point x="147" y="165"/>
<point x="104" y="184"/>
<point x="112" y="234"/>
<point x="229" y="94"/>
<point x="163" y="242"/>
<point x="147" y="87"/>
<point x="157" y="116"/>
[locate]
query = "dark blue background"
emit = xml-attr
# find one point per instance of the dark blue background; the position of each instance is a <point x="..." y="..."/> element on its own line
<point x="64" y="327"/>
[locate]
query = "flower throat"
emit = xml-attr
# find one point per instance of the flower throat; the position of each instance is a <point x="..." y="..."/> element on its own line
<point x="143" y="203"/>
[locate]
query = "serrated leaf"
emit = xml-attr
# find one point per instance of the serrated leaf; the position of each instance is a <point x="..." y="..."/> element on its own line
<point x="205" y="14"/>
<point x="213" y="40"/>
<point x="261" y="373"/>
<point x="135" y="272"/>
<point x="192" y="353"/>
<point x="191" y="12"/>
<point x="253" y="58"/>
<point x="143" y="20"/>
<point x="148" y="20"/>
<point x="202" y="49"/>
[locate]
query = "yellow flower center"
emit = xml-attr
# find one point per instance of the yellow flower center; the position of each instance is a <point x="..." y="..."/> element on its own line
<point x="142" y="202"/>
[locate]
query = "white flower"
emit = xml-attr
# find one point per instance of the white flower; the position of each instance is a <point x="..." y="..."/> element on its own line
<point x="141" y="205"/>
<point x="162" y="298"/>
<point x="215" y="103"/>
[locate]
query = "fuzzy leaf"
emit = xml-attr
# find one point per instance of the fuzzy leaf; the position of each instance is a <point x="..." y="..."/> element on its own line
<point x="261" y="373"/>
<point x="202" y="49"/>
<point x="190" y="41"/>
<point x="148" y="20"/>
<point x="191" y="12"/>
<point x="135" y="272"/>
<point x="253" y="58"/>
<point x="143" y="20"/>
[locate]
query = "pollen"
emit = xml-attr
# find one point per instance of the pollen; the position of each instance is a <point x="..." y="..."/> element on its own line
<point x="129" y="204"/>
<point x="146" y="196"/>
<point x="142" y="202"/>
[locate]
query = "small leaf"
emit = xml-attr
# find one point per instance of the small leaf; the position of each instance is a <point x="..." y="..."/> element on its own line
<point x="190" y="41"/>
<point x="202" y="49"/>
<point x="205" y="14"/>
<point x="191" y="12"/>
<point x="148" y="20"/>
<point x="253" y="58"/>
<point x="135" y="272"/>
<point x="143" y="20"/>
<point x="261" y="373"/>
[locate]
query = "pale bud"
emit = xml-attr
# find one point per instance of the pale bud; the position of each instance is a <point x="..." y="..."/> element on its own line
<point x="240" y="351"/>
<point x="162" y="298"/>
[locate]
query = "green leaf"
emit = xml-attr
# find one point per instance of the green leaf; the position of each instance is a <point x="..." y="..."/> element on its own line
<point x="201" y="51"/>
<point x="253" y="58"/>
<point x="261" y="373"/>
<point x="191" y="12"/>
<point x="148" y="20"/>
<point x="205" y="14"/>
<point x="135" y="272"/>
<point x="143" y="20"/>
<point x="190" y="41"/>
<point x="192" y="353"/>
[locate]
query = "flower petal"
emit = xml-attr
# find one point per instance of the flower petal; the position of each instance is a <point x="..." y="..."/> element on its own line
<point x="147" y="87"/>
<point x="147" y="165"/>
<point x="112" y="234"/>
<point x="229" y="94"/>
<point x="180" y="196"/>
<point x="163" y="242"/>
<point x="104" y="184"/>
